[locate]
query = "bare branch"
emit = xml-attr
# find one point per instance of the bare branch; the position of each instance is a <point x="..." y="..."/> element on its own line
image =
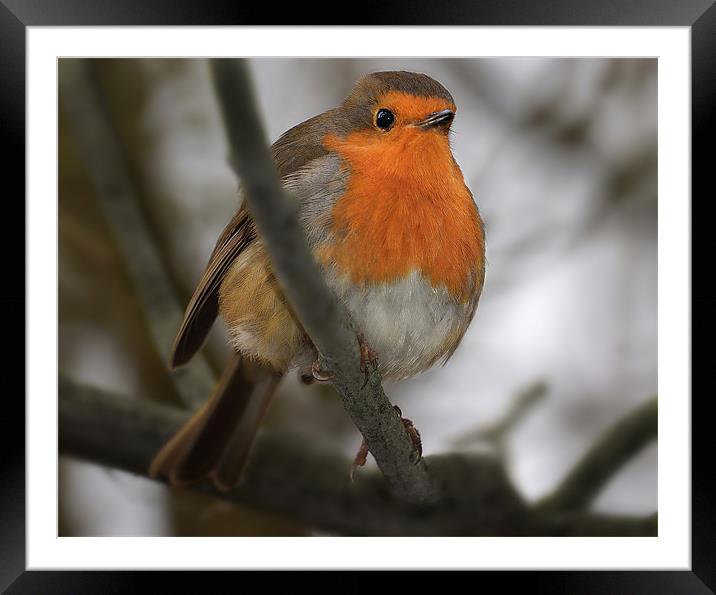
<point x="616" y="446"/>
<point x="322" y="316"/>
<point x="84" y="104"/>
<point x="295" y="477"/>
<point x="496" y="433"/>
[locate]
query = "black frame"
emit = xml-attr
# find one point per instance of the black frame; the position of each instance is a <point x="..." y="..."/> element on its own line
<point x="700" y="15"/>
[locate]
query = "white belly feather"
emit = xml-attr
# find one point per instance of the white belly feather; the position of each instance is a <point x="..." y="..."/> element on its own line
<point x="408" y="323"/>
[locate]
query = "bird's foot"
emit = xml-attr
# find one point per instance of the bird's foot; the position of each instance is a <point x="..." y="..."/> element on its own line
<point x="362" y="454"/>
<point x="368" y="356"/>
<point x="360" y="458"/>
<point x="317" y="374"/>
<point x="412" y="432"/>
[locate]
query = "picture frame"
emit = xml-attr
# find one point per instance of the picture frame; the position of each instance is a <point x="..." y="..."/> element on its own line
<point x="699" y="16"/>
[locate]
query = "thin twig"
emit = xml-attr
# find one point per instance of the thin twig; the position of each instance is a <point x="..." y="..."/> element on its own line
<point x="84" y="103"/>
<point x="616" y="446"/>
<point x="295" y="477"/>
<point x="322" y="316"/>
<point x="496" y="433"/>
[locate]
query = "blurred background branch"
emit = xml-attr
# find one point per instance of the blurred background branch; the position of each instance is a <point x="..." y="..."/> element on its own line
<point x="496" y="434"/>
<point x="608" y="454"/>
<point x="290" y="476"/>
<point x="119" y="200"/>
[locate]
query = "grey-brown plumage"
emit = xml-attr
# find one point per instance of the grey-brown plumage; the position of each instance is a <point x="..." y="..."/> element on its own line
<point x="411" y="321"/>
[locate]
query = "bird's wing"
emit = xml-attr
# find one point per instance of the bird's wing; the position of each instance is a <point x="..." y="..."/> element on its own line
<point x="291" y="153"/>
<point x="203" y="307"/>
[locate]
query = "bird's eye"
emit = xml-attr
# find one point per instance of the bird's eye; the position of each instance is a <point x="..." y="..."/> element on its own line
<point x="384" y="119"/>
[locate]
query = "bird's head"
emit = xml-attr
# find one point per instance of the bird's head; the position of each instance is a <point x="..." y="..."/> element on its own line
<point x="394" y="104"/>
<point x="395" y="124"/>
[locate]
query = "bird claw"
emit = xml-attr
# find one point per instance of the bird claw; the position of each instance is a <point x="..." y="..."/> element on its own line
<point x="368" y="356"/>
<point x="362" y="454"/>
<point x="412" y="432"/>
<point x="360" y="458"/>
<point x="318" y="374"/>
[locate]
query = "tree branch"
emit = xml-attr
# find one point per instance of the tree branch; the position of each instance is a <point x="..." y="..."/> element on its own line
<point x="615" y="447"/>
<point x="321" y="315"/>
<point x="119" y="200"/>
<point x="496" y="433"/>
<point x="291" y="476"/>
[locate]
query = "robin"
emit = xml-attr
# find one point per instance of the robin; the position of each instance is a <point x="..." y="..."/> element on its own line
<point x="400" y="242"/>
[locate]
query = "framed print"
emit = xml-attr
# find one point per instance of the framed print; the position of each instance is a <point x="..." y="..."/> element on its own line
<point x="223" y="380"/>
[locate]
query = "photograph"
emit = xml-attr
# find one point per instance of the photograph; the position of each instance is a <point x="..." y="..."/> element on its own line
<point x="379" y="296"/>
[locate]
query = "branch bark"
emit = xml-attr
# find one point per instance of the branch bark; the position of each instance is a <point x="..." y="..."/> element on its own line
<point x="292" y="476"/>
<point x="84" y="104"/>
<point x="323" y="317"/>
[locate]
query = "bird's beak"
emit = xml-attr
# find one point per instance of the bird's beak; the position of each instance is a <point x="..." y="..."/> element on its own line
<point x="441" y="118"/>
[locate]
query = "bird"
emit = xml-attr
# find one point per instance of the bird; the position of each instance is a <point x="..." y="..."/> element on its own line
<point x="399" y="240"/>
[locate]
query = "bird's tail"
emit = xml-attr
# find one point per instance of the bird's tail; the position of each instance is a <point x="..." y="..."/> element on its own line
<point x="215" y="442"/>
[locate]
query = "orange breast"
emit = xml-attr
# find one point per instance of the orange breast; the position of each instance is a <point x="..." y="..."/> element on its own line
<point x="406" y="207"/>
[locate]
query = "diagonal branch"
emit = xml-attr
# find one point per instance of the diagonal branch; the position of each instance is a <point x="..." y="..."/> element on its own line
<point x="616" y="446"/>
<point x="118" y="198"/>
<point x="294" y="477"/>
<point x="324" y="318"/>
<point x="496" y="433"/>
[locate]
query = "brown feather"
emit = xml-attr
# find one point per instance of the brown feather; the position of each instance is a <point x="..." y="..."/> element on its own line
<point x="203" y="307"/>
<point x="216" y="441"/>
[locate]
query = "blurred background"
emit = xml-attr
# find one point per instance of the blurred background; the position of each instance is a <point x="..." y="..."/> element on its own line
<point x="561" y="155"/>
